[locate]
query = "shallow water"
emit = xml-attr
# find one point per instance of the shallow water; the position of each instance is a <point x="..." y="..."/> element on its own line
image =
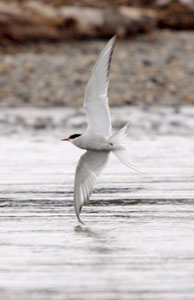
<point x="138" y="240"/>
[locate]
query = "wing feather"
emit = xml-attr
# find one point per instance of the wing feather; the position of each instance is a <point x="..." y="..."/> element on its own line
<point x="88" y="169"/>
<point x="96" y="100"/>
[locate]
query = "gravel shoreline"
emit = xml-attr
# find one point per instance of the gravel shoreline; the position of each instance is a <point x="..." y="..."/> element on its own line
<point x="155" y="69"/>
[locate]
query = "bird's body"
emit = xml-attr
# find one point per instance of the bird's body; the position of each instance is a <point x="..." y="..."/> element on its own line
<point x="98" y="139"/>
<point x="96" y="142"/>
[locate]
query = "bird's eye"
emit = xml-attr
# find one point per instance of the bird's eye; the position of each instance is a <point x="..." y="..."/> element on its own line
<point x="111" y="144"/>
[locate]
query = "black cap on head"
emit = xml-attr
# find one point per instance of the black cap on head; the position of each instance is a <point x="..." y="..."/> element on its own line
<point x="73" y="136"/>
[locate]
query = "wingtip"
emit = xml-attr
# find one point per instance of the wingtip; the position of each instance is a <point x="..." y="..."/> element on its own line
<point x="80" y="221"/>
<point x="112" y="43"/>
<point x="114" y="39"/>
<point x="78" y="216"/>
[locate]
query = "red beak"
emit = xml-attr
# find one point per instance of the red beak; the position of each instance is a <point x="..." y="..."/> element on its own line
<point x="65" y="140"/>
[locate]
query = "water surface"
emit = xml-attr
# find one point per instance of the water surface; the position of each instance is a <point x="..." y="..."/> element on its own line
<point x="138" y="240"/>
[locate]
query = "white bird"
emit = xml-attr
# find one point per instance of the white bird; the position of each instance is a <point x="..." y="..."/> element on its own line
<point x="98" y="139"/>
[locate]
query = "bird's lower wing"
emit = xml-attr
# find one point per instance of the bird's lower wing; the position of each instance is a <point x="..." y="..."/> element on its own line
<point x="88" y="169"/>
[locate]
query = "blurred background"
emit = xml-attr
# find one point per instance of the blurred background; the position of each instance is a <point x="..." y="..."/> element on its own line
<point x="48" y="48"/>
<point x="138" y="239"/>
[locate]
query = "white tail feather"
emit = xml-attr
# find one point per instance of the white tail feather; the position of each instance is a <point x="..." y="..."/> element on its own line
<point x="122" y="156"/>
<point x="119" y="136"/>
<point x="120" y="152"/>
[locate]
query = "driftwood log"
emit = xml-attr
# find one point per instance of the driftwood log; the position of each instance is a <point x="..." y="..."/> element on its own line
<point x="33" y="21"/>
<point x="175" y="14"/>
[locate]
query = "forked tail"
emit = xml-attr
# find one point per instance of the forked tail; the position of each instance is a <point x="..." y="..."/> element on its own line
<point x="120" y="152"/>
<point x="123" y="157"/>
<point x="118" y="137"/>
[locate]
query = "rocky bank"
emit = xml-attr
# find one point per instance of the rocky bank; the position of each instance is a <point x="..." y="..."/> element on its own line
<point x="150" y="69"/>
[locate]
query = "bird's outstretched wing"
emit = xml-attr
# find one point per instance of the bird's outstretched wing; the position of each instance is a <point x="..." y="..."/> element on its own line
<point x="96" y="100"/>
<point x="88" y="169"/>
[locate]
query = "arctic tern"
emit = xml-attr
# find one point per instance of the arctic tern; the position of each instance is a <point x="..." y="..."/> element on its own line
<point x="98" y="139"/>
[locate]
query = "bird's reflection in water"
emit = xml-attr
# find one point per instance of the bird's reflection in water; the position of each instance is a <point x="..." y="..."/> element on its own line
<point x="100" y="243"/>
<point x="86" y="231"/>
